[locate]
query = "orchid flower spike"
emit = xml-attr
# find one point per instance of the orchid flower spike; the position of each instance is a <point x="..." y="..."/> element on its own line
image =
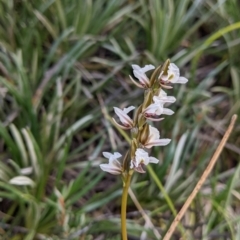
<point x="114" y="166"/>
<point x="141" y="158"/>
<point x="173" y="76"/>
<point x="154" y="139"/>
<point x="139" y="73"/>
<point x="124" y="118"/>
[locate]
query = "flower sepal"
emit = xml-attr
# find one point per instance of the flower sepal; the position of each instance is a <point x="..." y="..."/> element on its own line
<point x="147" y="100"/>
<point x="144" y="133"/>
<point x="139" y="168"/>
<point x="113" y="166"/>
<point x="136" y="115"/>
<point x="165" y="67"/>
<point x="135" y="83"/>
<point x="154" y="75"/>
<point x="126" y="162"/>
<point x="124" y="118"/>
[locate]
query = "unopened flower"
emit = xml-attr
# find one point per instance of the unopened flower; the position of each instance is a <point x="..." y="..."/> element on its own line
<point x="139" y="73"/>
<point x="124" y="118"/>
<point x="154" y="139"/>
<point x="141" y="158"/>
<point x="114" y="166"/>
<point x="155" y="109"/>
<point x="173" y="76"/>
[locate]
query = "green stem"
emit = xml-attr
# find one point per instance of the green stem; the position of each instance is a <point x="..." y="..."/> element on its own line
<point x="126" y="185"/>
<point x="162" y="189"/>
<point x="165" y="195"/>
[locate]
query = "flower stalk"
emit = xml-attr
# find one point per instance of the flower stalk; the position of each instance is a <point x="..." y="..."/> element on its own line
<point x="126" y="184"/>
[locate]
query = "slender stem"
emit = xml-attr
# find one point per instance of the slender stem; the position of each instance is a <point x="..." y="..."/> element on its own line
<point x="165" y="195"/>
<point x="126" y="185"/>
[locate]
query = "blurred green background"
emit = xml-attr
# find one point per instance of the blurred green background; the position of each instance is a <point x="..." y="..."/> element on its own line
<point x="64" y="64"/>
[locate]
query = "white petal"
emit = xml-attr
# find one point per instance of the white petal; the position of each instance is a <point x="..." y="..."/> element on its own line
<point x="136" y="67"/>
<point x="110" y="169"/>
<point x="141" y="156"/>
<point x="175" y="77"/>
<point x="166" y="141"/>
<point x="131" y="164"/>
<point x="124" y="118"/>
<point x="162" y="93"/>
<point x="143" y="69"/>
<point x="173" y="67"/>
<point x="153" y="160"/>
<point x="167" y="111"/>
<point x="147" y="68"/>
<point x="157" y="99"/>
<point x="141" y="77"/>
<point x="107" y="154"/>
<point x="153" y="133"/>
<point x="159" y="110"/>
<point x="112" y="157"/>
<point x="117" y="154"/>
<point x="164" y="99"/>
<point x="171" y="99"/>
<point x="159" y="142"/>
<point x="121" y="126"/>
<point x="182" y="80"/>
<point x="153" y="109"/>
<point x="128" y="109"/>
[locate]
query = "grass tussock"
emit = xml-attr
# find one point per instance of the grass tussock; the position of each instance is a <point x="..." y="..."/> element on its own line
<point x="63" y="66"/>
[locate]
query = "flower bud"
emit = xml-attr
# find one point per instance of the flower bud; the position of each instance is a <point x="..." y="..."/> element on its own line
<point x="126" y="162"/>
<point x="134" y="146"/>
<point x="165" y="67"/>
<point x="136" y="116"/>
<point x="155" y="75"/>
<point x="147" y="100"/>
<point x="144" y="134"/>
<point x="134" y="132"/>
<point x="141" y="121"/>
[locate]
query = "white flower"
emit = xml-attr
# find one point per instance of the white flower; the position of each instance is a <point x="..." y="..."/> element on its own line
<point x="173" y="75"/>
<point x="139" y="73"/>
<point x="156" y="108"/>
<point x="124" y="118"/>
<point x="114" y="166"/>
<point x="141" y="159"/>
<point x="154" y="138"/>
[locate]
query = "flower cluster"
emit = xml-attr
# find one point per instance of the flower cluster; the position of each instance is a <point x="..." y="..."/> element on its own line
<point x="144" y="136"/>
